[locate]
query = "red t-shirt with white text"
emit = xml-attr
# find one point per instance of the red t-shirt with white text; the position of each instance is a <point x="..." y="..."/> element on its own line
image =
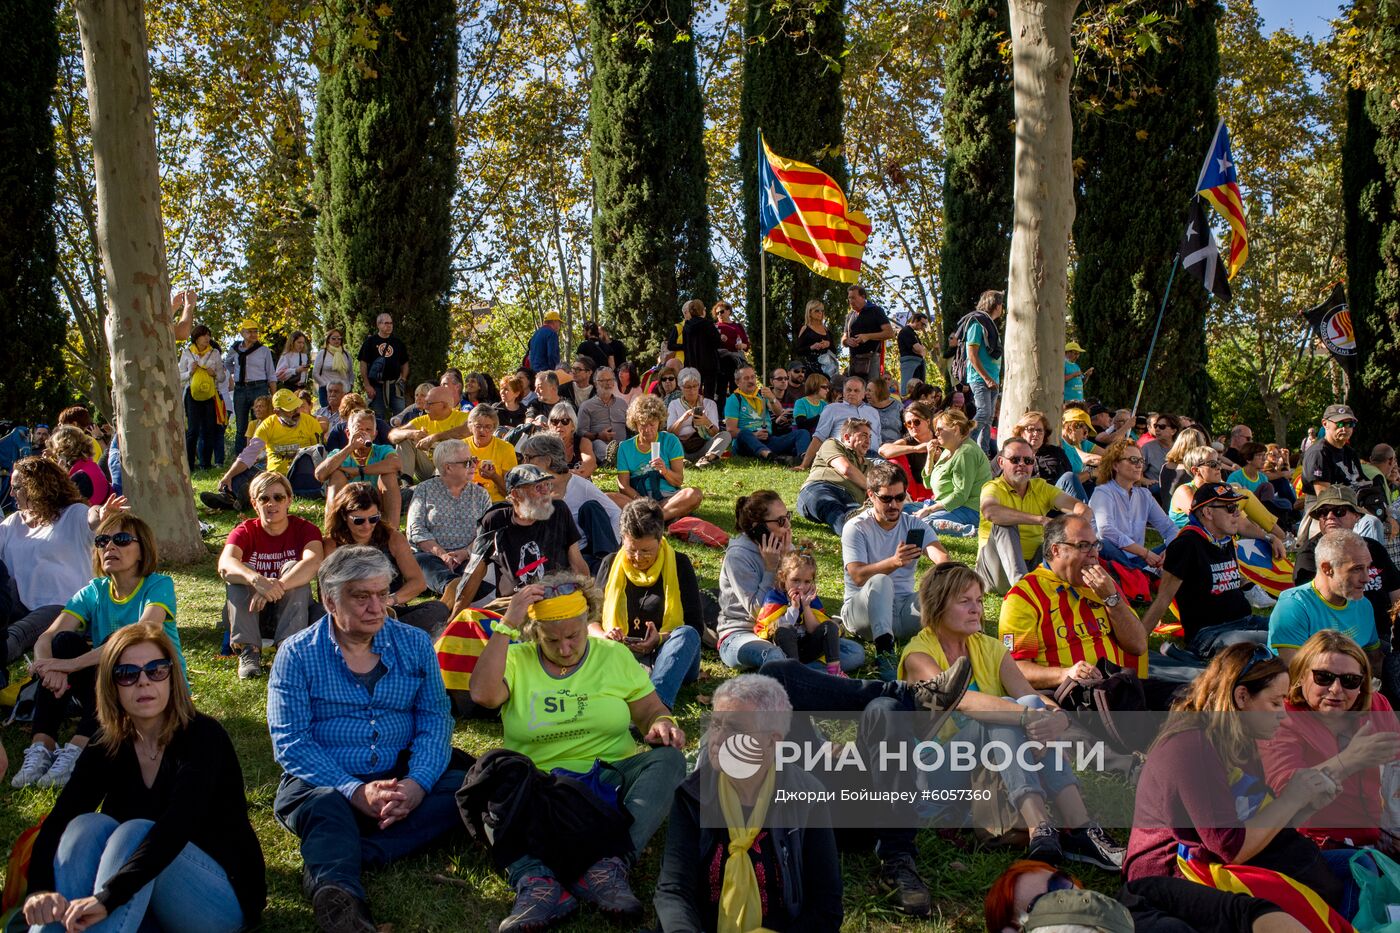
<point x="267" y="553"/>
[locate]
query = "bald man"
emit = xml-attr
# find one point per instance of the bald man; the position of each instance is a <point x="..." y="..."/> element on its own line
<point x="415" y="441"/>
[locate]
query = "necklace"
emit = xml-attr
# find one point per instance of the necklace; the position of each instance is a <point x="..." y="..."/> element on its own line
<point x="149" y="756"/>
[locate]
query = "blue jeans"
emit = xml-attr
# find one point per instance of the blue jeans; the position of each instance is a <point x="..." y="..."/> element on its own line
<point x="910" y="367"/>
<point x="1069" y="482"/>
<point x="964" y="515"/>
<point x="243" y="396"/>
<point x="337" y="840"/>
<point x="436" y="572"/>
<point x="192" y="893"/>
<point x="675" y="663"/>
<point x="595" y="525"/>
<point x="745" y="651"/>
<point x="203" y="433"/>
<point x="985" y="399"/>
<point x="826" y="504"/>
<point x="792" y="444"/>
<point x="1213" y="638"/>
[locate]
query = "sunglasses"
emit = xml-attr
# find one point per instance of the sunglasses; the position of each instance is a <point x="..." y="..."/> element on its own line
<point x="469" y="462"/>
<point x="1349" y="425"/>
<point x="1326" y="679"/>
<point x="1328" y="511"/>
<point x="559" y="421"/>
<point x="561" y="589"/>
<point x="272" y="497"/>
<point x="1212" y="464"/>
<point x="1059" y="881"/>
<point x="1261" y="653"/>
<point x="668" y="378"/>
<point x="913" y="422"/>
<point x="120" y="539"/>
<point x="1021" y="461"/>
<point x="362" y="519"/>
<point x="126" y="675"/>
<point x="1228" y="509"/>
<point x="891" y="499"/>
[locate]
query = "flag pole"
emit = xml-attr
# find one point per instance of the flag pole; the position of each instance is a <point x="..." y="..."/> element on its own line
<point x="1155" y="331"/>
<point x="762" y="271"/>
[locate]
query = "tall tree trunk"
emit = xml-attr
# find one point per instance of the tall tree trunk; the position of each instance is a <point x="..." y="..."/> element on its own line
<point x="1042" y="64"/>
<point x="150" y="412"/>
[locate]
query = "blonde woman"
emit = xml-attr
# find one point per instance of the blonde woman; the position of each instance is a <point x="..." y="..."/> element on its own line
<point x="813" y="342"/>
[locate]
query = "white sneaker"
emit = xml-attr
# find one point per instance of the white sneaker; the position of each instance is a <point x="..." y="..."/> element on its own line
<point x="37" y="760"/>
<point x="1259" y="599"/>
<point x="62" y="768"/>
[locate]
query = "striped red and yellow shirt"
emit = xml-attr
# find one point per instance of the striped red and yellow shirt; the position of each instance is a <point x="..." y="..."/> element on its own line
<point x="1048" y="621"/>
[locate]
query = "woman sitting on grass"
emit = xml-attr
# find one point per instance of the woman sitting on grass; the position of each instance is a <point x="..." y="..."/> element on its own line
<point x="651" y="463"/>
<point x="172" y="849"/>
<point x="563" y="422"/>
<point x="354" y="517"/>
<point x="570" y="701"/>
<point x="126" y="590"/>
<point x="1004" y="708"/>
<point x="808" y="409"/>
<point x="955" y="471"/>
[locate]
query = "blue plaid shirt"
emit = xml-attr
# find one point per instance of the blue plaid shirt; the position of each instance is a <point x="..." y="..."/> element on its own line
<point x="328" y="730"/>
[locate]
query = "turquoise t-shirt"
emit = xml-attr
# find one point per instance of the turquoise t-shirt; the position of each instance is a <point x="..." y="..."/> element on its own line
<point x="975" y="334"/>
<point x="749" y="420"/>
<point x="644" y="479"/>
<point x="803" y="407"/>
<point x="1302" y="612"/>
<point x="1238" y="478"/>
<point x="377" y="452"/>
<point x="102" y="615"/>
<point x="1074" y="382"/>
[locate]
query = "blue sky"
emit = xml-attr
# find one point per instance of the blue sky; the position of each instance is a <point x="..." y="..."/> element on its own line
<point x="1302" y="16"/>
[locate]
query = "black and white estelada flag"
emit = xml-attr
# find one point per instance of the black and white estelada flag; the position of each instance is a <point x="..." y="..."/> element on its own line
<point x="1200" y="255"/>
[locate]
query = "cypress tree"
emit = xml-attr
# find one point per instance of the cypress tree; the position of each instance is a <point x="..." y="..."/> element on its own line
<point x="1370" y="185"/>
<point x="647" y="124"/>
<point x="1128" y="226"/>
<point x="386" y="171"/>
<point x="33" y="386"/>
<point x="978" y="117"/>
<point x="792" y="92"/>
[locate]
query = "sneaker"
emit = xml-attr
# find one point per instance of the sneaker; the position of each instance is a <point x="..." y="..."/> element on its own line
<point x="1045" y="844"/>
<point x="887" y="666"/>
<point x="219" y="501"/>
<point x="705" y="461"/>
<point x="1091" y="845"/>
<point x="898" y="874"/>
<point x="539" y="902"/>
<point x="1259" y="599"/>
<point x="781" y="459"/>
<point x="338" y="910"/>
<point x="62" y="768"/>
<point x="605" y="886"/>
<point x="942" y="695"/>
<point x="37" y="760"/>
<point x="834" y="669"/>
<point x="249" y="662"/>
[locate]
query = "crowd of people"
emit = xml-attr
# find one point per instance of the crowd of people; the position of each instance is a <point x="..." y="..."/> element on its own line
<point x="504" y="548"/>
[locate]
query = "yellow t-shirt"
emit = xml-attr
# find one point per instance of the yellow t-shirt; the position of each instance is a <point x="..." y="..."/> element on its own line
<point x="283" y="442"/>
<point x="454" y="419"/>
<point x="984" y="651"/>
<point x="502" y="455"/>
<point x="1039" y="499"/>
<point x="1045" y="620"/>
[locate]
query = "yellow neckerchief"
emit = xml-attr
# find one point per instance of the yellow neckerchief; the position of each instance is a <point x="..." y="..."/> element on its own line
<point x="755" y="401"/>
<point x="622" y="573"/>
<point x="740" y="905"/>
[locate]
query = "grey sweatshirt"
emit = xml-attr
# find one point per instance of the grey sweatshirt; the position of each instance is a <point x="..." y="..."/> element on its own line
<point x="743" y="581"/>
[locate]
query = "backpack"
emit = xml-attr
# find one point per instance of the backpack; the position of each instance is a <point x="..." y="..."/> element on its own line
<point x="377" y="369"/>
<point x="1371" y="498"/>
<point x="957" y="343"/>
<point x="1107" y="694"/>
<point x="202" y="387"/>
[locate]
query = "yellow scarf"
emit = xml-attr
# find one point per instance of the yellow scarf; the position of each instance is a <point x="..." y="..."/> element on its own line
<point x="622" y="573"/>
<point x="740" y="906"/>
<point x="755" y="401"/>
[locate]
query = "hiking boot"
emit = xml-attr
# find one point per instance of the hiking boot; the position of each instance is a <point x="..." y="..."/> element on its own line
<point x="1045" y="844"/>
<point x="62" y="768"/>
<point x="37" y="761"/>
<point x="898" y="874"/>
<point x="539" y="903"/>
<point x="249" y="662"/>
<point x="1091" y="845"/>
<point x="605" y="886"/>
<point x="338" y="910"/>
<point x="219" y="501"/>
<point x="887" y="666"/>
<point x="942" y="695"/>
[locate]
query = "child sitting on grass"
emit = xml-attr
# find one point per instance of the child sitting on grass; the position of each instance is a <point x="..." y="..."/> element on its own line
<point x="808" y="409"/>
<point x="792" y="618"/>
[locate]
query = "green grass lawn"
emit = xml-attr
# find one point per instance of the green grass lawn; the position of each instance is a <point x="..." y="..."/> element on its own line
<point x="455" y="887"/>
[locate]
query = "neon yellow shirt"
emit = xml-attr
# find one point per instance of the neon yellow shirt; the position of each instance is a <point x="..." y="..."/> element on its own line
<point x="284" y="442"/>
<point x="502" y="455"/>
<point x="454" y="419"/>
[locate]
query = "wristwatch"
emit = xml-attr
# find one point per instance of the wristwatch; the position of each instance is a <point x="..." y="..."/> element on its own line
<point x="1111" y="601"/>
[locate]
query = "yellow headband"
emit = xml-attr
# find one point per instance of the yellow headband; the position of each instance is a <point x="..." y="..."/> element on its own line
<point x="568" y="606"/>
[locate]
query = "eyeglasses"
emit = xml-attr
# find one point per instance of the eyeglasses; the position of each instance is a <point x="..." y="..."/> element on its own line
<point x="1348" y="425"/>
<point x="272" y="497"/>
<point x="780" y="378"/>
<point x="362" y="519"/>
<point x="579" y="369"/>
<point x="1084" y="547"/>
<point x="120" y="539"/>
<point x="1135" y="461"/>
<point x="1326" y="679"/>
<point x="1034" y="429"/>
<point x="1020" y="461"/>
<point x="1228" y="509"/>
<point x="126" y="675"/>
<point x="891" y="499"/>
<point x="782" y="521"/>
<point x="1328" y="511"/>
<point x="334" y="337"/>
<point x="1261" y="653"/>
<point x="552" y="590"/>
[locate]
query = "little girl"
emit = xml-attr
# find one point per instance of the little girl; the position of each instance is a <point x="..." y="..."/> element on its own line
<point x="809" y="408"/>
<point x="791" y="615"/>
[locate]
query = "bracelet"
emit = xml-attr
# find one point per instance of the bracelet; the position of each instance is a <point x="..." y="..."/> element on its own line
<point x="666" y="716"/>
<point x="1025" y="714"/>
<point x="500" y="626"/>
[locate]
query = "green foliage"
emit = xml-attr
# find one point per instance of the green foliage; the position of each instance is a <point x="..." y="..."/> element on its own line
<point x="33" y="386"/>
<point x="1128" y="226"/>
<point x="792" y="92"/>
<point x="651" y="231"/>
<point x="386" y="172"/>
<point x="978" y="117"/>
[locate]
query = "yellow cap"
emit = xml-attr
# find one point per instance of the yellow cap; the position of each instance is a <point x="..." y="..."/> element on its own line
<point x="285" y="400"/>
<point x="552" y="316"/>
<point x="569" y="606"/>
<point x="247" y="324"/>
<point x="1076" y="414"/>
<point x="1073" y="347"/>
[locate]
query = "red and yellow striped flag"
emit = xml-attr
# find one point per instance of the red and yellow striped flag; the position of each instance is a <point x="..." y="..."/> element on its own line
<point x="803" y="215"/>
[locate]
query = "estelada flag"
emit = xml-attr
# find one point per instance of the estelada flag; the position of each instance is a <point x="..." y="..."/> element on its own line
<point x="803" y="215"/>
<point x="1331" y="321"/>
<point x="1220" y="185"/>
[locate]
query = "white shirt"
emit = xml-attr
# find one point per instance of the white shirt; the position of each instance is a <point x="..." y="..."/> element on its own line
<point x="678" y="407"/>
<point x="582" y="490"/>
<point x="49" y="563"/>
